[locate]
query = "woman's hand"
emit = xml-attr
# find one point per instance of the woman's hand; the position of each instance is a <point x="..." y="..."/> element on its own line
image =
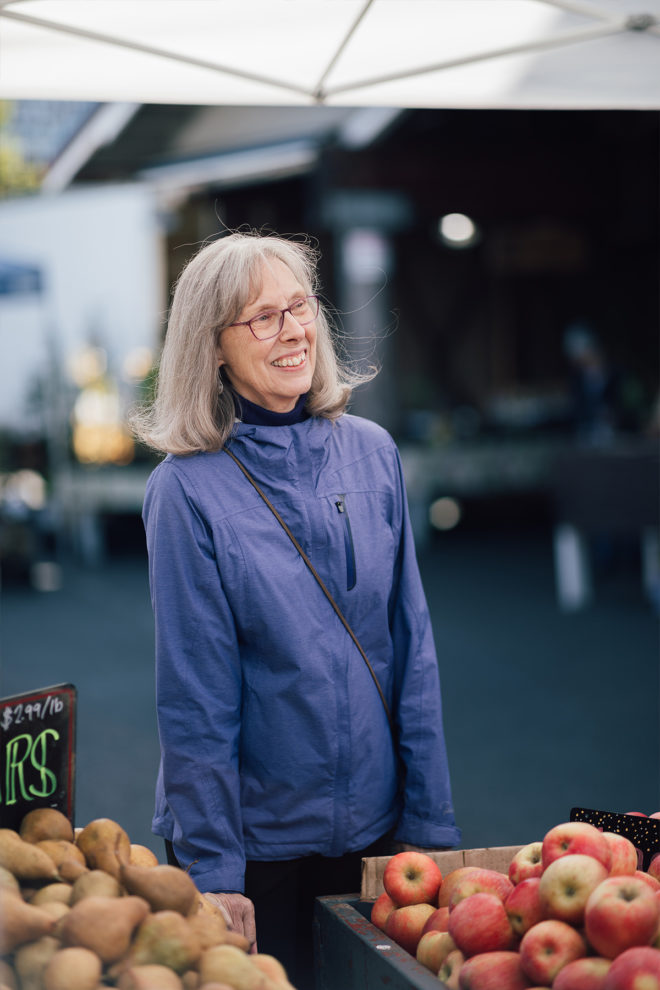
<point x="238" y="911"/>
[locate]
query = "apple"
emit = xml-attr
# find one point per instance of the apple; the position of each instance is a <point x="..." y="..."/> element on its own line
<point x="636" y="968"/>
<point x="647" y="879"/>
<point x="451" y="880"/>
<point x="526" y="863"/>
<point x="412" y="877"/>
<point x="450" y="970"/>
<point x="653" y="869"/>
<point x="479" y="923"/>
<point x="583" y="974"/>
<point x="624" y="854"/>
<point x="566" y="885"/>
<point x="655" y="941"/>
<point x="405" y="924"/>
<point x="481" y="881"/>
<point x="438" y="921"/>
<point x="493" y="971"/>
<point x="523" y="905"/>
<point x="621" y="912"/>
<point x="575" y="837"/>
<point x="433" y="948"/>
<point x="381" y="909"/>
<point x="549" y="946"/>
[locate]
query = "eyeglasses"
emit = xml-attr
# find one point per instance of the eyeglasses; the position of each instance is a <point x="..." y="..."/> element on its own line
<point x="269" y="324"/>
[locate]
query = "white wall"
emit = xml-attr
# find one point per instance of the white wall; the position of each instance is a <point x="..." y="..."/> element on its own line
<point x="100" y="254"/>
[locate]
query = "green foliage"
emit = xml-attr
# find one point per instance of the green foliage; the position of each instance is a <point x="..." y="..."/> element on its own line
<point x="17" y="174"/>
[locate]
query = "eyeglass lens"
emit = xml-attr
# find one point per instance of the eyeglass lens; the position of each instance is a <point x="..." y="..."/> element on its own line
<point x="269" y="324"/>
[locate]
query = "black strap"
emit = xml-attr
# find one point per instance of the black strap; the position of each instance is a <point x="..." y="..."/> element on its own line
<point x="321" y="584"/>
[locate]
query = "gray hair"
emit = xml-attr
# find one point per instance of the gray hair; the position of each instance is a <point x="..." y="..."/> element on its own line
<point x="192" y="410"/>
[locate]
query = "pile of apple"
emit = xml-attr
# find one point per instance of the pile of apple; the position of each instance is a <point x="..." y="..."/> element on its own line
<point x="87" y="909"/>
<point x="573" y="912"/>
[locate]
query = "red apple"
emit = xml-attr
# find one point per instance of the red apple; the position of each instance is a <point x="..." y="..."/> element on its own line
<point x="583" y="974"/>
<point x="566" y="885"/>
<point x="381" y="909"/>
<point x="405" y="925"/>
<point x="493" y="971"/>
<point x="655" y="941"/>
<point x="433" y="948"/>
<point x="479" y="923"/>
<point x="647" y="879"/>
<point x="438" y="921"/>
<point x="624" y="854"/>
<point x="634" y="969"/>
<point x="621" y="912"/>
<point x="412" y="877"/>
<point x="575" y="837"/>
<point x="481" y="881"/>
<point x="653" y="869"/>
<point x="523" y="905"/>
<point x="526" y="863"/>
<point x="450" y="881"/>
<point x="549" y="946"/>
<point x="449" y="972"/>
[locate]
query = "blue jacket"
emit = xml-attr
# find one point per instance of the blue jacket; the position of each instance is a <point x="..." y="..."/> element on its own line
<point x="274" y="740"/>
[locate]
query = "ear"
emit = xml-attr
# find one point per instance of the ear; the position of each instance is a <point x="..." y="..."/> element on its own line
<point x="219" y="357"/>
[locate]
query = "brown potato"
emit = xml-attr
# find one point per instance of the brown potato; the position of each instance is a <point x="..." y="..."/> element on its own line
<point x="24" y="859"/>
<point x="45" y="823"/>
<point x="21" y="922"/>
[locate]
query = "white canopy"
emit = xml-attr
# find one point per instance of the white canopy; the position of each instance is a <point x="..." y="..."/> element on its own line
<point x="394" y="53"/>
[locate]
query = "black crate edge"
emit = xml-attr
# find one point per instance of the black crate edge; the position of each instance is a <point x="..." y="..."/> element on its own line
<point x="348" y="956"/>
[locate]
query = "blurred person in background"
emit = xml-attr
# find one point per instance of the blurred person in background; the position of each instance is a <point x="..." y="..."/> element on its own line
<point x="595" y="387"/>
<point x="279" y="770"/>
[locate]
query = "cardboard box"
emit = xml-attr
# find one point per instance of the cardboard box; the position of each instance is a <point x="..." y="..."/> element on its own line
<point x="352" y="954"/>
<point x="493" y="858"/>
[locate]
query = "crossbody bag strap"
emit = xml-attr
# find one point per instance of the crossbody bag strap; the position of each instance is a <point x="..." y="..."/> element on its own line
<point x="320" y="582"/>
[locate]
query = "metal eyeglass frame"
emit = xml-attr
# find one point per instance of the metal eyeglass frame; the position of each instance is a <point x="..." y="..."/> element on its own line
<point x="313" y="300"/>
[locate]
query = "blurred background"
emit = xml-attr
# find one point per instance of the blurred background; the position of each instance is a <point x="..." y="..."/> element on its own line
<point x="502" y="266"/>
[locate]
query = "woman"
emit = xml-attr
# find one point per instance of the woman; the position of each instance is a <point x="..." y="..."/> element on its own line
<point x="278" y="767"/>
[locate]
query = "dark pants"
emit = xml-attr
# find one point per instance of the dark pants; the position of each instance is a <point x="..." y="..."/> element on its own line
<point x="283" y="894"/>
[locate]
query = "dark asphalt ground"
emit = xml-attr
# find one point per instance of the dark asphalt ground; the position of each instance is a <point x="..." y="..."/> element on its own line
<point x="543" y="711"/>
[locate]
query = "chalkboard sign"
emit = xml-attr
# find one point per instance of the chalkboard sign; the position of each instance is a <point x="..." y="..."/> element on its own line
<point x="38" y="747"/>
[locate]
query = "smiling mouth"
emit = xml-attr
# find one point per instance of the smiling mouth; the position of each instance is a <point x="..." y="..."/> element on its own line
<point x="291" y="362"/>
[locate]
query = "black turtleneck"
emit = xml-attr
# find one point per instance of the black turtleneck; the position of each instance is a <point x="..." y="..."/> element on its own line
<point x="254" y="415"/>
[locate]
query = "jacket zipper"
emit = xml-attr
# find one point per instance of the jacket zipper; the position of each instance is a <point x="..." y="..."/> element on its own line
<point x="348" y="543"/>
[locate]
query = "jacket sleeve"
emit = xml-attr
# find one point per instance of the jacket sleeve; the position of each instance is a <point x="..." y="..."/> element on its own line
<point x="198" y="689"/>
<point x="427" y="817"/>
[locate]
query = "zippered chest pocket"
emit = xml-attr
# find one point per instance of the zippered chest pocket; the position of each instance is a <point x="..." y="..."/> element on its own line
<point x="342" y="509"/>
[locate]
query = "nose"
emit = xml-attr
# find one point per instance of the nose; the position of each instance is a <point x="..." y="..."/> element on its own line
<point x="291" y="329"/>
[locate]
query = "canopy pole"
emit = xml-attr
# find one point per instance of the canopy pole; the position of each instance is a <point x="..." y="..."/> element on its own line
<point x="318" y="91"/>
<point x="109" y="39"/>
<point x="574" y="37"/>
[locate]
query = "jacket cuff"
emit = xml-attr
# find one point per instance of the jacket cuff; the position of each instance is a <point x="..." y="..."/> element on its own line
<point x="217" y="881"/>
<point x="419" y="832"/>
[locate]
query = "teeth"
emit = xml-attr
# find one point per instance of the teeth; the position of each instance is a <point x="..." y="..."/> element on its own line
<point x="290" y="362"/>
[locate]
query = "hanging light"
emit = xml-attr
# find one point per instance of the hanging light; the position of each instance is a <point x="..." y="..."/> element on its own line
<point x="457" y="230"/>
<point x="445" y="513"/>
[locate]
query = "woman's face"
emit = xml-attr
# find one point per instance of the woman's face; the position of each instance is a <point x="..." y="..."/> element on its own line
<point x="271" y="373"/>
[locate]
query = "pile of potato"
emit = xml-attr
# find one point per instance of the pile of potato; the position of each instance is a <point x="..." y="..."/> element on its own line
<point x="91" y="910"/>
